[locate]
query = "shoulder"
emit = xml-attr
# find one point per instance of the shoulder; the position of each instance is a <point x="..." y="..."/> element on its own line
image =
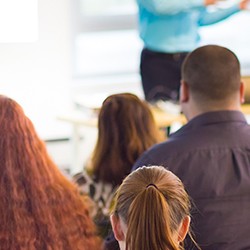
<point x="175" y="139"/>
<point x="157" y="154"/>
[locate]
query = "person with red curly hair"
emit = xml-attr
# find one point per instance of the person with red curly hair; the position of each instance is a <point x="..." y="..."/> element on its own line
<point x="40" y="209"/>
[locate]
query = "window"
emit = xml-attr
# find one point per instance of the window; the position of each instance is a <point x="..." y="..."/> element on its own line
<point x="232" y="33"/>
<point x="18" y="21"/>
<point x="107" y="15"/>
<point x="106" y="40"/>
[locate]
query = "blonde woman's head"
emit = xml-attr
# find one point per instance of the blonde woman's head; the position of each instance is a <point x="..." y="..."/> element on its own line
<point x="151" y="211"/>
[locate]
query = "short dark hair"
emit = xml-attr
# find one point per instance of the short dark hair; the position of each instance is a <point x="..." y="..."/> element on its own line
<point x="212" y="72"/>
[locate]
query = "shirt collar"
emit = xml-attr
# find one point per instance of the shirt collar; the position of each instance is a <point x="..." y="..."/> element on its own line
<point x="217" y="117"/>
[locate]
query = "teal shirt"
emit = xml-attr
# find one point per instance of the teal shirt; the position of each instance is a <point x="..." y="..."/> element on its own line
<point x="172" y="25"/>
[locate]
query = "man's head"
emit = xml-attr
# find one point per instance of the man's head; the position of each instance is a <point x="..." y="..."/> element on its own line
<point x="211" y="80"/>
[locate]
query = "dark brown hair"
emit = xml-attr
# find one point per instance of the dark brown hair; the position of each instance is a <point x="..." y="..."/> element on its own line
<point x="153" y="203"/>
<point x="212" y="73"/>
<point x="126" y="128"/>
<point x="39" y="208"/>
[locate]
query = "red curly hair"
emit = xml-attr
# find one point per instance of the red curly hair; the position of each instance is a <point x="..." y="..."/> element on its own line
<point x="39" y="208"/>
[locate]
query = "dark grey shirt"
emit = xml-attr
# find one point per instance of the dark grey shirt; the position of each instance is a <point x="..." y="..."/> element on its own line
<point x="211" y="155"/>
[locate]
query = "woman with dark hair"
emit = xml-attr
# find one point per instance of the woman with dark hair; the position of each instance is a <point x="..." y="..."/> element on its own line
<point x="39" y="208"/>
<point x="126" y="128"/>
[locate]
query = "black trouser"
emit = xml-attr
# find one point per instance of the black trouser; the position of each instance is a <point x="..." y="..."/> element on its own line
<point x="161" y="74"/>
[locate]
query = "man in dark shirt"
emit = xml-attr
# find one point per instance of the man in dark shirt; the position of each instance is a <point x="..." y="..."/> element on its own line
<point x="211" y="153"/>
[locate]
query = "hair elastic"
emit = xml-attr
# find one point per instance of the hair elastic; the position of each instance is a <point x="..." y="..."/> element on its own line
<point x="151" y="184"/>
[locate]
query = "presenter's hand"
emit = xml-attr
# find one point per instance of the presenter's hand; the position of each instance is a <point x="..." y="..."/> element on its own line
<point x="210" y="2"/>
<point x="245" y="4"/>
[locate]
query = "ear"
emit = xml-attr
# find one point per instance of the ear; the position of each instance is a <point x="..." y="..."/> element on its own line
<point x="183" y="230"/>
<point x="117" y="227"/>
<point x="242" y="92"/>
<point x="184" y="91"/>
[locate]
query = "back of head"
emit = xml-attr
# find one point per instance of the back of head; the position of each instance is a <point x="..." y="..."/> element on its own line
<point x="40" y="208"/>
<point x="152" y="202"/>
<point x="126" y="123"/>
<point x="213" y="74"/>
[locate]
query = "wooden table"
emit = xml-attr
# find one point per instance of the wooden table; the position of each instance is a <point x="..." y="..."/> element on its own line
<point x="78" y="120"/>
<point x="245" y="108"/>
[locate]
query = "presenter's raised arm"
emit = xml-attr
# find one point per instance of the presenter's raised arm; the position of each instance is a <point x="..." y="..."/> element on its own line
<point x="210" y="17"/>
<point x="168" y="7"/>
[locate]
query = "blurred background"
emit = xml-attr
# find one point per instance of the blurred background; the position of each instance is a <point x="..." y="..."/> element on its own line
<point x="61" y="57"/>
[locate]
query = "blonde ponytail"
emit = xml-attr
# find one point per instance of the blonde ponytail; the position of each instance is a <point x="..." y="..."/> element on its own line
<point x="153" y="203"/>
<point x="148" y="222"/>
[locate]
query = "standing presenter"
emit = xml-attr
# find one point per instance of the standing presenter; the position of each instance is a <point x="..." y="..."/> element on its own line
<point x="169" y="30"/>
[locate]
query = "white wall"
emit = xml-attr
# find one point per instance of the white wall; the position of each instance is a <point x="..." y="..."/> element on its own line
<point x="38" y="75"/>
